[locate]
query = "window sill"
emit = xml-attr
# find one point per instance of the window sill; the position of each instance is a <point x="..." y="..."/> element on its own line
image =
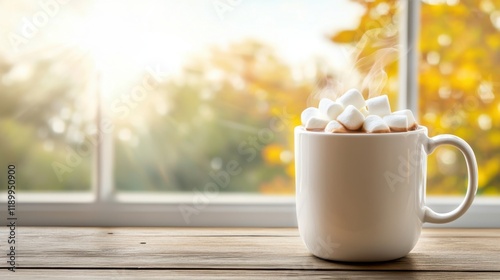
<point x="222" y="210"/>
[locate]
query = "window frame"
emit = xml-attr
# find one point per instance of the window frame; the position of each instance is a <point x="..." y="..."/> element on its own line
<point x="104" y="207"/>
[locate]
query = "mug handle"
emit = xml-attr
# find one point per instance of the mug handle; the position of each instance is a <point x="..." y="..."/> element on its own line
<point x="440" y="218"/>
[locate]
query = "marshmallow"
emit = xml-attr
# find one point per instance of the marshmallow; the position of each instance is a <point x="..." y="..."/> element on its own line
<point x="323" y="104"/>
<point x="351" y="118"/>
<point x="316" y="123"/>
<point x="397" y="123"/>
<point x="309" y="113"/>
<point x="412" y="124"/>
<point x="334" y="110"/>
<point x="329" y="108"/>
<point x="352" y="97"/>
<point x="364" y="111"/>
<point x="375" y="124"/>
<point x="335" y="127"/>
<point x="379" y="106"/>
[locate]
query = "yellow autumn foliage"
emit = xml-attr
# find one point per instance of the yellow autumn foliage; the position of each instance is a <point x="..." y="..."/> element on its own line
<point x="459" y="66"/>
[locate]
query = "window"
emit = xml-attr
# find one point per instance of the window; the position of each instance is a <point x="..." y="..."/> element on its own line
<point x="168" y="113"/>
<point x="459" y="90"/>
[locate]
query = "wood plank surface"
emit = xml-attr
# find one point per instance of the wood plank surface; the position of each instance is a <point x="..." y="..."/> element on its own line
<point x="84" y="274"/>
<point x="241" y="253"/>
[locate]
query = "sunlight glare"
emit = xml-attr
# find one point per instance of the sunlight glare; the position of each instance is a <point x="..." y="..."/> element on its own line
<point x="128" y="32"/>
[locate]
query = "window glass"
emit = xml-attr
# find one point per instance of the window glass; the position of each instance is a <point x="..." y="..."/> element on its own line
<point x="47" y="107"/>
<point x="193" y="93"/>
<point x="235" y="79"/>
<point x="459" y="65"/>
<point x="459" y="47"/>
<point x="48" y="125"/>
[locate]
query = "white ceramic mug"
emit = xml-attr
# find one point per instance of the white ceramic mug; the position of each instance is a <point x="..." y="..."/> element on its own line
<point x="361" y="197"/>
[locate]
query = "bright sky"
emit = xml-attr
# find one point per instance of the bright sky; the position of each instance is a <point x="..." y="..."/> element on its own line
<point x="167" y="32"/>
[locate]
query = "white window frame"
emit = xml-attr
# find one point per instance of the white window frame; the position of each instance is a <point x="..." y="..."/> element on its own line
<point x="104" y="207"/>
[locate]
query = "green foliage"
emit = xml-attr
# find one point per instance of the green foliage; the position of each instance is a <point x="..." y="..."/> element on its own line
<point x="35" y="96"/>
<point x="218" y="111"/>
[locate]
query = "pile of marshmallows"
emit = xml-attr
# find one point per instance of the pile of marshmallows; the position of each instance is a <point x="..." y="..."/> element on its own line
<point x="351" y="113"/>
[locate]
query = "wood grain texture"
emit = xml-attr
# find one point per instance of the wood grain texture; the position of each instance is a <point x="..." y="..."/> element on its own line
<point x="84" y="274"/>
<point x="242" y="253"/>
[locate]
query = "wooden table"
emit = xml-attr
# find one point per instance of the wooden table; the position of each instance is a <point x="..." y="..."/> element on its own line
<point x="240" y="253"/>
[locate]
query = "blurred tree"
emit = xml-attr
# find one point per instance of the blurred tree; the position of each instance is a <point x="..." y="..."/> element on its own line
<point x="226" y="105"/>
<point x="45" y="113"/>
<point x="459" y="62"/>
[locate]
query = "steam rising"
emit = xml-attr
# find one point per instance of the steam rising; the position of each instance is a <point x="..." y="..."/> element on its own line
<point x="376" y="49"/>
